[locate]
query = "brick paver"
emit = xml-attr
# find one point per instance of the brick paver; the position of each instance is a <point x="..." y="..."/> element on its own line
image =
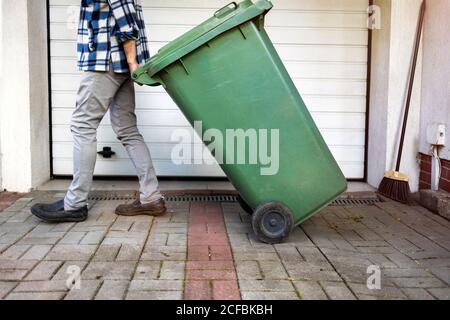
<point x="210" y="272"/>
<point x="328" y="256"/>
<point x="7" y="199"/>
<point x="208" y="251"/>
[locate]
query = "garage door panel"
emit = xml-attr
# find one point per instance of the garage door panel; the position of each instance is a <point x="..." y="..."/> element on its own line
<point x="322" y="53"/>
<point x="328" y="87"/>
<point x="65" y="65"/>
<point x="167" y="168"/>
<point x="125" y="168"/>
<point x="106" y="135"/>
<point x="155" y="16"/>
<point x="334" y="137"/>
<point x="145" y="118"/>
<point x="352" y="170"/>
<point x="327" y="70"/>
<point x="279" y="35"/>
<point x="299" y="70"/>
<point x="70" y="82"/>
<point x="164" y="152"/>
<point x="344" y="137"/>
<point x="154" y="101"/>
<point x="67" y="48"/>
<point x="283" y="35"/>
<point x="177" y="119"/>
<point x="339" y="120"/>
<point x="323" y="44"/>
<point x="63" y="48"/>
<point x="301" y="19"/>
<point x="288" y="52"/>
<point x="330" y="5"/>
<point x="310" y="87"/>
<point x="306" y="86"/>
<point x="64" y="31"/>
<point x="341" y="104"/>
<point x="211" y="4"/>
<point x="310" y="19"/>
<point x="161" y="101"/>
<point x="348" y="154"/>
<point x="158" y="151"/>
<point x="192" y="17"/>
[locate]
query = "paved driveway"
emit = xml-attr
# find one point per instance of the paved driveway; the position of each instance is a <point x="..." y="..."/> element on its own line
<point x="207" y="251"/>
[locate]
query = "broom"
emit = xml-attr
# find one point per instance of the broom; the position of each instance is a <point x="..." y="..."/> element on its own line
<point x="395" y="184"/>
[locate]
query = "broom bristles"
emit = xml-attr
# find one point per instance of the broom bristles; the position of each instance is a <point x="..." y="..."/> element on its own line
<point x="396" y="190"/>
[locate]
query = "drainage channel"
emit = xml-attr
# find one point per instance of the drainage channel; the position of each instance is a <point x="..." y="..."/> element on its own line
<point x="344" y="201"/>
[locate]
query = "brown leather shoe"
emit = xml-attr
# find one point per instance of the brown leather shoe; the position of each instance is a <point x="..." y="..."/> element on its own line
<point x="155" y="209"/>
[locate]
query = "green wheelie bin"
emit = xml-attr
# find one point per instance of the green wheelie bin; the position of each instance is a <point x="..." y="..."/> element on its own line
<point x="227" y="74"/>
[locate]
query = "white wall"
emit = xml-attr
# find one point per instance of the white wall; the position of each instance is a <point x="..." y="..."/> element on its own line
<point x="391" y="63"/>
<point x="24" y="134"/>
<point x="436" y="72"/>
<point x="1" y="76"/>
<point x="39" y="100"/>
<point x="378" y="115"/>
<point x="403" y="31"/>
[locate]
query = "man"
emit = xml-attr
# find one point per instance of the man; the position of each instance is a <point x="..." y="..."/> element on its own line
<point x="111" y="44"/>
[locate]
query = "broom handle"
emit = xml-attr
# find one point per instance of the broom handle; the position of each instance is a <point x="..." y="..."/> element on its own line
<point x="411" y="83"/>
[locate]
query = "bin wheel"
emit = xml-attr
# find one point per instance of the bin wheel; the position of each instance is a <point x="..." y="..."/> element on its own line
<point x="244" y="205"/>
<point x="272" y="222"/>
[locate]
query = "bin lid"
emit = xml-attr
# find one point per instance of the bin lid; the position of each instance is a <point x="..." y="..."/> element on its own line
<point x="223" y="20"/>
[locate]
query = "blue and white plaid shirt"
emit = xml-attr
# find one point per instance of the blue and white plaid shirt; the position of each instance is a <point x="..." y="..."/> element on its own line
<point x="104" y="26"/>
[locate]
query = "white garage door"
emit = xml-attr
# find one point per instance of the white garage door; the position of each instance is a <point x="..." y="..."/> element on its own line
<point x="322" y="42"/>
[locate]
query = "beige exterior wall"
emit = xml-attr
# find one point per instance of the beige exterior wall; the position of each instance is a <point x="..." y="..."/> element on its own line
<point x="436" y="72"/>
<point x="24" y="121"/>
<point x="391" y="62"/>
<point x="1" y="76"/>
<point x="378" y="115"/>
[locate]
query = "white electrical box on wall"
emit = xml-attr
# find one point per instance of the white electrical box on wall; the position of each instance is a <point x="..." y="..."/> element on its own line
<point x="436" y="134"/>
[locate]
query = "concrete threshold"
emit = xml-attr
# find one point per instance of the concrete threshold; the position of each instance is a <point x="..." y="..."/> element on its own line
<point x="182" y="186"/>
<point x="436" y="201"/>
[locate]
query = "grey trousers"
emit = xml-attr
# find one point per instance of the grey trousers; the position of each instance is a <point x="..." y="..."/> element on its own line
<point x="98" y="93"/>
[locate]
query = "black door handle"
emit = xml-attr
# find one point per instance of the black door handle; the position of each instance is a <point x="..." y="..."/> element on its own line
<point x="107" y="153"/>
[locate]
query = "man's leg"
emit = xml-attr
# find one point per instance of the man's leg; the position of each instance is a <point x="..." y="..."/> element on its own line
<point x="95" y="95"/>
<point x="124" y="123"/>
<point x="97" y="90"/>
